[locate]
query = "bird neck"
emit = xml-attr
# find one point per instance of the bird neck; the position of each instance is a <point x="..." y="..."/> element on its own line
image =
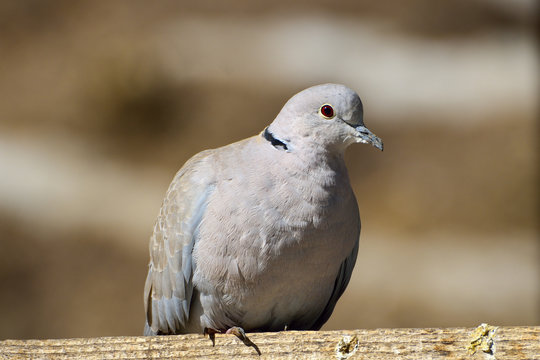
<point x="305" y="155"/>
<point x="278" y="144"/>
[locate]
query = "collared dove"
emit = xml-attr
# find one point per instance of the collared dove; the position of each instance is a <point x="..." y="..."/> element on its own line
<point x="261" y="234"/>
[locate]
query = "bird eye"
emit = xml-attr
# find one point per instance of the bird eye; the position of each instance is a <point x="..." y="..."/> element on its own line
<point x="327" y="111"/>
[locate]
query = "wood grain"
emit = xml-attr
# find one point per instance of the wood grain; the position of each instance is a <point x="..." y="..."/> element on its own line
<point x="503" y="342"/>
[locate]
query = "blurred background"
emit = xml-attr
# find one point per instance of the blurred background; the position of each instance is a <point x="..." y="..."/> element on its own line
<point x="101" y="102"/>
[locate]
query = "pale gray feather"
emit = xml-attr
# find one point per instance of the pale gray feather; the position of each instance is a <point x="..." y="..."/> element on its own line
<point x="169" y="287"/>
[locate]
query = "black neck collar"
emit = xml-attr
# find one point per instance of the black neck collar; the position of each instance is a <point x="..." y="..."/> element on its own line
<point x="278" y="144"/>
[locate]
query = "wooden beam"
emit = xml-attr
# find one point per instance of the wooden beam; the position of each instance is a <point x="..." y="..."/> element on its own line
<point x="484" y="342"/>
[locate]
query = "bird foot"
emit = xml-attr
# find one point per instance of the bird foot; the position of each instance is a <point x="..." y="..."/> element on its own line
<point x="235" y="330"/>
<point x="211" y="334"/>
<point x="241" y="334"/>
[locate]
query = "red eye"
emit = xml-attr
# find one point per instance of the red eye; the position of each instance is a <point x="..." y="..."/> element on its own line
<point x="327" y="111"/>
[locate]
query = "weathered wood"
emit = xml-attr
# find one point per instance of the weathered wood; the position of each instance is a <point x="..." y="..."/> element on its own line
<point x="453" y="343"/>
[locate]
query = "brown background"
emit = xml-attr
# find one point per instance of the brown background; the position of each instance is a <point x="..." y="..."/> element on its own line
<point x="101" y="102"/>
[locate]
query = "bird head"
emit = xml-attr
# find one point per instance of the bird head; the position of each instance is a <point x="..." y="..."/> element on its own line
<point x="328" y="115"/>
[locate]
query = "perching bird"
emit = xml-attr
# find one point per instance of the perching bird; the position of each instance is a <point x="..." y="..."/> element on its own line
<point x="261" y="234"/>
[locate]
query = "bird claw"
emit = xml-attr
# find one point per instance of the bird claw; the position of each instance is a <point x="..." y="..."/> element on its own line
<point x="241" y="334"/>
<point x="236" y="331"/>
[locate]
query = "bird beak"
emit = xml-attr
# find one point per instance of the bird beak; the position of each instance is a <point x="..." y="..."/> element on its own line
<point x="365" y="136"/>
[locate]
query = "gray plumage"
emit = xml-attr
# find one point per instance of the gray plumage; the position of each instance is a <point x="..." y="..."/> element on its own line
<point x="262" y="233"/>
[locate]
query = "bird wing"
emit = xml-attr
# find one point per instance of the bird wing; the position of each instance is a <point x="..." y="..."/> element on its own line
<point x="342" y="280"/>
<point x="169" y="287"/>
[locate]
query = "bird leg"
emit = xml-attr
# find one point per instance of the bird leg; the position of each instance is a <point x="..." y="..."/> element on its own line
<point x="241" y="334"/>
<point x="235" y="330"/>
<point x="211" y="334"/>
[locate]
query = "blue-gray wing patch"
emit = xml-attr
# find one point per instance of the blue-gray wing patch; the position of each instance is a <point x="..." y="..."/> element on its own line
<point x="169" y="288"/>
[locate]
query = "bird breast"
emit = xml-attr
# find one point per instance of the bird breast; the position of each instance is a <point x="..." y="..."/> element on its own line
<point x="274" y="251"/>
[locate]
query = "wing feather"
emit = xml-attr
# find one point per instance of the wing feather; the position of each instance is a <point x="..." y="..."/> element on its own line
<point x="169" y="287"/>
<point x="342" y="280"/>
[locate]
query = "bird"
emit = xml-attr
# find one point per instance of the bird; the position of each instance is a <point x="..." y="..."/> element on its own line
<point x="261" y="234"/>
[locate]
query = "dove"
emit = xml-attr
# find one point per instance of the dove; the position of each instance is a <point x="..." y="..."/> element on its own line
<point x="262" y="234"/>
